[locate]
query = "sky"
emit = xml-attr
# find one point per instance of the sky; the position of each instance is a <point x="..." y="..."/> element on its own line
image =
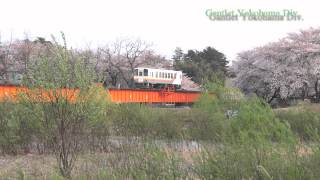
<point x="166" y="24"/>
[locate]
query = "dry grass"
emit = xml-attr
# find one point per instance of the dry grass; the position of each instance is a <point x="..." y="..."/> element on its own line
<point x="310" y="106"/>
<point x="41" y="166"/>
<point x="88" y="165"/>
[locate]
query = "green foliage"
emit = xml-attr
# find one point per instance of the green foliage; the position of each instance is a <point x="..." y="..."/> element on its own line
<point x="64" y="116"/>
<point x="168" y="124"/>
<point x="256" y="123"/>
<point x="147" y="122"/>
<point x="205" y="126"/>
<point x="16" y="128"/>
<point x="303" y="122"/>
<point x="248" y="162"/>
<point x="151" y="162"/>
<point x="8" y="128"/>
<point x="201" y="66"/>
<point x="227" y="115"/>
<point x="132" y="120"/>
<point x="59" y="68"/>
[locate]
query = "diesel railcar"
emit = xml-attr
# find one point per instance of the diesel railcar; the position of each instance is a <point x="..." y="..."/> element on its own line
<point x="157" y="78"/>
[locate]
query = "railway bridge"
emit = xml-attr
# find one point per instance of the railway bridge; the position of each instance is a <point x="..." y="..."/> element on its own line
<point x="129" y="95"/>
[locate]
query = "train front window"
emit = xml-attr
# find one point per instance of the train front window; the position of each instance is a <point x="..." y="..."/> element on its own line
<point x="140" y="73"/>
<point x="136" y="72"/>
<point x="145" y="72"/>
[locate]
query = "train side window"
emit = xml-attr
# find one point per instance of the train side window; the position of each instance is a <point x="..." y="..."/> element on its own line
<point x="140" y="73"/>
<point x="156" y="74"/>
<point x="145" y="72"/>
<point x="175" y="76"/>
<point x="165" y="75"/>
<point x="136" y="72"/>
<point x="171" y="76"/>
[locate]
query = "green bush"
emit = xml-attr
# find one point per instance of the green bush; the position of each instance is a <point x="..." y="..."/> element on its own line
<point x="226" y="115"/>
<point x="65" y="101"/>
<point x="132" y="120"/>
<point x="9" y="127"/>
<point x="303" y="122"/>
<point x="256" y="123"/>
<point x="168" y="124"/>
<point x="206" y="126"/>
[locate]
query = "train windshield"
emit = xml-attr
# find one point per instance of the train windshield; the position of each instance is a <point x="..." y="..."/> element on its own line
<point x="145" y="72"/>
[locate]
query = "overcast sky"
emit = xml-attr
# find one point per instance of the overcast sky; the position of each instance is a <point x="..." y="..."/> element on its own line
<point x="166" y="23"/>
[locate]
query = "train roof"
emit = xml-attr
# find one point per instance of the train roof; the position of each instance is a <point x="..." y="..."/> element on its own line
<point x="157" y="69"/>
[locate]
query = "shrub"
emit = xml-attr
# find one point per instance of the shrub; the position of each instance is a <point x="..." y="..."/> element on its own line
<point x="303" y="122"/>
<point x="256" y="123"/>
<point x="132" y="120"/>
<point x="9" y="127"/>
<point x="168" y="124"/>
<point x="63" y="114"/>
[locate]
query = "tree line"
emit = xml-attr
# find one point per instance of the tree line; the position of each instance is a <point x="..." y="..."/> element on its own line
<point x="114" y="63"/>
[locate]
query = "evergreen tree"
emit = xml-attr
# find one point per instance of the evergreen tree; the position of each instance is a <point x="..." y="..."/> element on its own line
<point x="201" y="66"/>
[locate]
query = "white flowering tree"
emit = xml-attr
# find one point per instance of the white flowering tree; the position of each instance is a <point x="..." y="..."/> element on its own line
<point x="283" y="69"/>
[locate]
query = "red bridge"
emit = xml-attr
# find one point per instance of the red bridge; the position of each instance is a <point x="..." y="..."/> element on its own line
<point x="129" y="95"/>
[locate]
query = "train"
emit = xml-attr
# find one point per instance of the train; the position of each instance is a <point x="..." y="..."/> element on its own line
<point x="143" y="78"/>
<point x="157" y="78"/>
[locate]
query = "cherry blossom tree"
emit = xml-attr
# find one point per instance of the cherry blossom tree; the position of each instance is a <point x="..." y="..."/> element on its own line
<point x="284" y="69"/>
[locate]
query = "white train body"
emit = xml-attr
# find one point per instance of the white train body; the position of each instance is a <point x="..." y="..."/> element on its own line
<point x="157" y="77"/>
